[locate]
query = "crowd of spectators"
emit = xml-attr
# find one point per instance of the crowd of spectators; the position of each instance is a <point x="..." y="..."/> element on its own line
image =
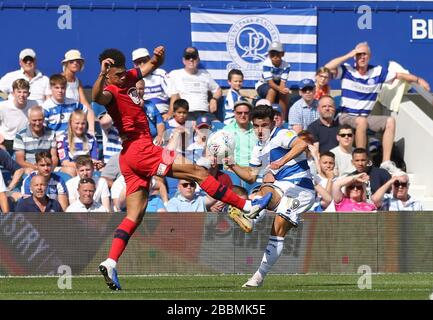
<point x="59" y="152"/>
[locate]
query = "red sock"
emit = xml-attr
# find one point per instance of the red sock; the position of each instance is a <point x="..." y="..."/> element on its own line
<point x="121" y="236"/>
<point x="221" y="192"/>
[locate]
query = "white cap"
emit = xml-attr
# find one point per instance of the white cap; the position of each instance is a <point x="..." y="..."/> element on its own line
<point x="276" y="46"/>
<point x="27" y="53"/>
<point x="139" y="53"/>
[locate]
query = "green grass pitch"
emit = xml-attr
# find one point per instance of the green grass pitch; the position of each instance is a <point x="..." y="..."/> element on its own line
<point x="404" y="286"/>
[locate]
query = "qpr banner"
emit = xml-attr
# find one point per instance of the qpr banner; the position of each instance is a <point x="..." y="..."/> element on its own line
<point x="239" y="39"/>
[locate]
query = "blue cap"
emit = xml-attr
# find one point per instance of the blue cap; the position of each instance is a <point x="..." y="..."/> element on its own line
<point x="305" y="83"/>
<point x="203" y="121"/>
<point x="277" y="107"/>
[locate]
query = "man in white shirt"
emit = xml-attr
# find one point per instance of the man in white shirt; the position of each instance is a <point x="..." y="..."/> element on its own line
<point x="343" y="152"/>
<point x="13" y="113"/>
<point x="85" y="170"/>
<point x="85" y="203"/>
<point x="39" y="84"/>
<point x="193" y="85"/>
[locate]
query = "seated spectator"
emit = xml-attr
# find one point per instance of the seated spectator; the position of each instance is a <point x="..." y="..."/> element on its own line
<point x="58" y="108"/>
<point x="9" y="165"/>
<point x="155" y="90"/>
<point x="194" y="85"/>
<point x="323" y="181"/>
<point x="235" y="80"/>
<point x="323" y="75"/>
<point x="304" y="111"/>
<point x="39" y="201"/>
<point x="186" y="199"/>
<point x="399" y="199"/>
<point x="202" y="130"/>
<point x="33" y="139"/>
<point x="343" y="152"/>
<point x="77" y="142"/>
<point x="13" y="113"/>
<point x="179" y="131"/>
<point x="85" y="169"/>
<point x="72" y="64"/>
<point x="275" y="73"/>
<point x="4" y="204"/>
<point x="154" y="118"/>
<point x="39" y="84"/>
<point x="85" y="202"/>
<point x="354" y="197"/>
<point x="56" y="186"/>
<point x="325" y="128"/>
<point x="377" y="176"/>
<point x="242" y="128"/>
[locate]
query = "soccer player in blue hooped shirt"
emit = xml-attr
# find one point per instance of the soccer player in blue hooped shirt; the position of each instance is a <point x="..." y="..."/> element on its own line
<point x="280" y="152"/>
<point x="58" y="108"/>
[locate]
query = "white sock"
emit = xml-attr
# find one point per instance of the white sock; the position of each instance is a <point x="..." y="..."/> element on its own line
<point x="272" y="253"/>
<point x="111" y="263"/>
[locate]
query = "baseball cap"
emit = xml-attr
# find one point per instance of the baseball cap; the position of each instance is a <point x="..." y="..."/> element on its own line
<point x="306" y="83"/>
<point x="27" y="53"/>
<point x="139" y="53"/>
<point x="277" y="108"/>
<point x="203" y="121"/>
<point x="276" y="46"/>
<point x="190" y="52"/>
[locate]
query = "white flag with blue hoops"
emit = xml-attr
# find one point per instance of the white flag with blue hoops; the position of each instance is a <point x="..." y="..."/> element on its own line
<point x="239" y="39"/>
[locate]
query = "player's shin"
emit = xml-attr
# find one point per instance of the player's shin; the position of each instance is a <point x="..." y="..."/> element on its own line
<point x="121" y="237"/>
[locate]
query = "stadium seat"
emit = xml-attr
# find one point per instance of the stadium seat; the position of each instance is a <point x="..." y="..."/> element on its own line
<point x="171" y="186"/>
<point x="63" y="175"/>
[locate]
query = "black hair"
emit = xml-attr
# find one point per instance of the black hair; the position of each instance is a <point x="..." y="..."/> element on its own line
<point x="262" y="112"/>
<point x="116" y="55"/>
<point x="180" y="103"/>
<point x="359" y="151"/>
<point x="327" y="154"/>
<point x="232" y="72"/>
<point x="345" y="127"/>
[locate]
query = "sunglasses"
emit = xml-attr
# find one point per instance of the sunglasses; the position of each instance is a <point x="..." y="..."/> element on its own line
<point x="355" y="187"/>
<point x="28" y="59"/>
<point x="191" y="56"/>
<point x="398" y="184"/>
<point x="186" y="184"/>
<point x="307" y="89"/>
<point x="344" y="135"/>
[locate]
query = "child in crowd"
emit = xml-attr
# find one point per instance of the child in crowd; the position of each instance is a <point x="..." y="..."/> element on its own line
<point x="235" y="80"/>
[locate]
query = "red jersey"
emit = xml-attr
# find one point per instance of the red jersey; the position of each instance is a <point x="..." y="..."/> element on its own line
<point x="125" y="110"/>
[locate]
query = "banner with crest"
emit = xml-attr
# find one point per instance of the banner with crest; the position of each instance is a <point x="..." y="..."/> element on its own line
<point x="239" y="39"/>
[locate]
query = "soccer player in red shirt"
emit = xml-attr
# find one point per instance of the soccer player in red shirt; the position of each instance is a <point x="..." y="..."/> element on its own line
<point x="140" y="159"/>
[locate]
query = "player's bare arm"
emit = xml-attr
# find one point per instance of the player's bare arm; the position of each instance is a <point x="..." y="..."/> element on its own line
<point x="298" y="147"/>
<point x="248" y="174"/>
<point x="98" y="94"/>
<point x="155" y="62"/>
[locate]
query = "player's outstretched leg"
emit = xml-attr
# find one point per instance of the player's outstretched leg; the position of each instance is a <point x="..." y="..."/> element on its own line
<point x="136" y="206"/>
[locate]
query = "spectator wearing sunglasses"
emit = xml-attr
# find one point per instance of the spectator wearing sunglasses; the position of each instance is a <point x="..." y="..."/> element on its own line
<point x="343" y="152"/>
<point x="354" y="196"/>
<point x="186" y="199"/>
<point x="399" y="199"/>
<point x="304" y="111"/>
<point x="325" y="128"/>
<point x="195" y="86"/>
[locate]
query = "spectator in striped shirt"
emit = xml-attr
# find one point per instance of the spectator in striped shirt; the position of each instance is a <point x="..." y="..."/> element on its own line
<point x="235" y="80"/>
<point x="275" y="72"/>
<point x="77" y="142"/>
<point x="360" y="85"/>
<point x="56" y="185"/>
<point x="58" y="108"/>
<point x="33" y="139"/>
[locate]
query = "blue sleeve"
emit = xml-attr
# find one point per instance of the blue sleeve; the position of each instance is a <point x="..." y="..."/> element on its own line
<point x="158" y="116"/>
<point x="94" y="154"/>
<point x="7" y="162"/>
<point x="26" y="186"/>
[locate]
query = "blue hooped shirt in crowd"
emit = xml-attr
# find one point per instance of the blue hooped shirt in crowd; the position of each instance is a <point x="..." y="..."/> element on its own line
<point x="154" y="117"/>
<point x="57" y="114"/>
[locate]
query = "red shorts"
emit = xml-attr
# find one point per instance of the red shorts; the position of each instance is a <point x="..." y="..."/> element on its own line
<point x="140" y="160"/>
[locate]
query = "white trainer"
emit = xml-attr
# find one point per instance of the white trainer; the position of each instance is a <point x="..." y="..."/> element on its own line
<point x="253" y="283"/>
<point x="390" y="167"/>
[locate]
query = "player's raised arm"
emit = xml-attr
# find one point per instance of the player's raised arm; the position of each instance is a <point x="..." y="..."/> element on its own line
<point x="98" y="94"/>
<point x="155" y="62"/>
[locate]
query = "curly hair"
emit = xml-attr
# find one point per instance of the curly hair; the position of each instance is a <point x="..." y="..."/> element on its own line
<point x="115" y="54"/>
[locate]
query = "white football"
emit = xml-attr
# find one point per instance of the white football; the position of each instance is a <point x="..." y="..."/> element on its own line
<point x="221" y="144"/>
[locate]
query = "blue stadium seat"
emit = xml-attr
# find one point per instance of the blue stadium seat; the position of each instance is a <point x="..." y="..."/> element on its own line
<point x="216" y="125"/>
<point x="171" y="186"/>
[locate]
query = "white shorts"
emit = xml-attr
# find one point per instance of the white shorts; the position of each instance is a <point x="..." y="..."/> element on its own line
<point x="294" y="201"/>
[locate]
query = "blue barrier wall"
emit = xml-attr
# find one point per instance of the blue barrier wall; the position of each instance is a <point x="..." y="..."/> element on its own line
<point x="131" y="24"/>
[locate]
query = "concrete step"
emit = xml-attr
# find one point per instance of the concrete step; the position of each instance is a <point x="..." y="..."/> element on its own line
<point x="417" y="190"/>
<point x="427" y="203"/>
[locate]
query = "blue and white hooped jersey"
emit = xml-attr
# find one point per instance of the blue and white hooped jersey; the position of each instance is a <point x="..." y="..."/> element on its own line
<point x="280" y="142"/>
<point x="155" y="89"/>
<point x="231" y="98"/>
<point x="57" y="115"/>
<point x="269" y="71"/>
<point x="359" y="92"/>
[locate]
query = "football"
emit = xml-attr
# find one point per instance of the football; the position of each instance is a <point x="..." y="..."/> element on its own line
<point x="221" y="144"/>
